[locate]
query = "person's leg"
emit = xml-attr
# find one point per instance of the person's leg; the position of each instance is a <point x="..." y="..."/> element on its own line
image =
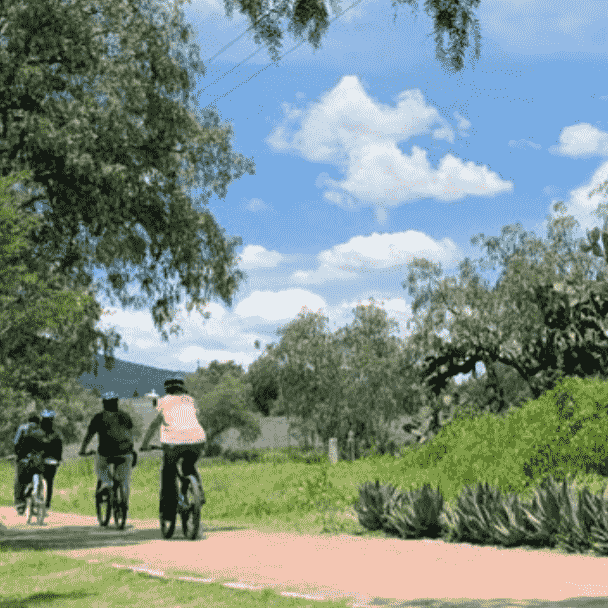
<point x="123" y="474"/>
<point x="49" y="475"/>
<point x="102" y="469"/>
<point x="191" y="454"/>
<point x="20" y="483"/>
<point x="168" y="498"/>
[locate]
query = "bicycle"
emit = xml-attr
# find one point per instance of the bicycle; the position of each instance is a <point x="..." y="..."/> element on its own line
<point x="36" y="492"/>
<point x="111" y="501"/>
<point x="188" y="506"/>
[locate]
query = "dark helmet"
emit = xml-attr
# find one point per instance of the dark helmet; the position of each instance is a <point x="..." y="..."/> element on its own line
<point x="175" y="384"/>
<point x="110" y="400"/>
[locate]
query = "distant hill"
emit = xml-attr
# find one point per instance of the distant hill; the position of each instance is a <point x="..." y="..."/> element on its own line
<point x="125" y="378"/>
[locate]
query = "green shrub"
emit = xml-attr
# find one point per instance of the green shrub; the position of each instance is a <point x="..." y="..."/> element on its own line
<point x="374" y="504"/>
<point x="212" y="450"/>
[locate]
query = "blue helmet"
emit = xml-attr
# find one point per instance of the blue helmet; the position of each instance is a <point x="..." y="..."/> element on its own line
<point x="109" y="396"/>
<point x="49" y="414"/>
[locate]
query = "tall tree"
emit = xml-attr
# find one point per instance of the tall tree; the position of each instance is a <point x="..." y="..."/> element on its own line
<point x="263" y="375"/>
<point x="47" y="321"/>
<point x="373" y="390"/>
<point x="453" y="20"/>
<point x="224" y="407"/>
<point x="528" y="321"/>
<point x="96" y="104"/>
<point x="310" y="374"/>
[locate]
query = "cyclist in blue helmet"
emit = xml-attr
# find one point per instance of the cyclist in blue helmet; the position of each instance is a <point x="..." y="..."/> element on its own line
<point x="20" y="462"/>
<point x="181" y="436"/>
<point x="114" y="429"/>
<point x="43" y="440"/>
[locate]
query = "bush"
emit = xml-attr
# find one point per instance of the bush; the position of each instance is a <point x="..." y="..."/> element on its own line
<point x="213" y="450"/>
<point x="564" y="431"/>
<point x="250" y="455"/>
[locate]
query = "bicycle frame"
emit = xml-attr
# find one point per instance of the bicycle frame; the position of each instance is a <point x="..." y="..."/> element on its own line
<point x="114" y="494"/>
<point x="36" y="498"/>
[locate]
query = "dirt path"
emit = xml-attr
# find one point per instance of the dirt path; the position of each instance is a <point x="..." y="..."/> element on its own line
<point x="361" y="569"/>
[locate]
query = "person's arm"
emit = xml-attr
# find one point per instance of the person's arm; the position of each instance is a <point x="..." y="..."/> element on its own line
<point x="18" y="435"/>
<point x="87" y="438"/>
<point x="20" y="441"/>
<point x="154" y="426"/>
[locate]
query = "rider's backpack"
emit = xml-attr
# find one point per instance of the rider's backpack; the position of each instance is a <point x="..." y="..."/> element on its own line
<point x="118" y="429"/>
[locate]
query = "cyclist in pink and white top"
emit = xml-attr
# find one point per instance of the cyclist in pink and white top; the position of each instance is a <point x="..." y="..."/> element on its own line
<point x="181" y="436"/>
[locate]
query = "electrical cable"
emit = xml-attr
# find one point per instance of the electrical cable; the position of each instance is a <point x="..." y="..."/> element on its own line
<point x="273" y="63"/>
<point x="231" y="70"/>
<point x="238" y="37"/>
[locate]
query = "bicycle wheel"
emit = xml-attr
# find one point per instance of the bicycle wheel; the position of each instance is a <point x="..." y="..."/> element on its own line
<point x="119" y="507"/>
<point x="103" y="506"/>
<point x="191" y="516"/>
<point x="30" y="504"/>
<point x="41" y="500"/>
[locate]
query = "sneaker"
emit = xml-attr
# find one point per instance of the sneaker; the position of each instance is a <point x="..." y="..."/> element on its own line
<point x="20" y="508"/>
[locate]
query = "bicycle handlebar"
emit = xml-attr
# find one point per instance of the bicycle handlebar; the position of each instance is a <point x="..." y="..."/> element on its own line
<point x="89" y="453"/>
<point x="155" y="447"/>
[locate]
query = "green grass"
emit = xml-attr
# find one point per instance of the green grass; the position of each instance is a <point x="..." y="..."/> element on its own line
<point x="38" y="578"/>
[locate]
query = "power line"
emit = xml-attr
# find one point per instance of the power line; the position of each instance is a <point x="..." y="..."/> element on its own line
<point x="273" y="63"/>
<point x="238" y="37"/>
<point x="231" y="70"/>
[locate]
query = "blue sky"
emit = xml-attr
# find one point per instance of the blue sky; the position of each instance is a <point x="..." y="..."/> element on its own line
<point x="368" y="154"/>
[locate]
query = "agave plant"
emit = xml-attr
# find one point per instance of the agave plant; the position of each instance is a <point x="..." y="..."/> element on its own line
<point x="512" y="524"/>
<point x="543" y="514"/>
<point x="574" y="529"/>
<point x="416" y="513"/>
<point x="599" y="529"/>
<point x="373" y="504"/>
<point x="472" y="519"/>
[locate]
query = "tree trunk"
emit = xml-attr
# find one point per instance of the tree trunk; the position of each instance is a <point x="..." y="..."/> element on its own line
<point x="498" y="405"/>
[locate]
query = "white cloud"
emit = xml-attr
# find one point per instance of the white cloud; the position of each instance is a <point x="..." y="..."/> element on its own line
<point x="256" y="204"/>
<point x="324" y="273"/>
<point x="538" y="24"/>
<point x="581" y="140"/>
<point x="463" y="123"/>
<point x="378" y="252"/>
<point x="382" y="251"/>
<point x="254" y="256"/>
<point x="203" y="356"/>
<point x="580" y="206"/>
<point x="523" y="143"/>
<point x="359" y="136"/>
<point x="278" y="306"/>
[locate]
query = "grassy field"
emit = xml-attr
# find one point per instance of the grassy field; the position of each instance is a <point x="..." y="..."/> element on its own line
<point x="37" y="578"/>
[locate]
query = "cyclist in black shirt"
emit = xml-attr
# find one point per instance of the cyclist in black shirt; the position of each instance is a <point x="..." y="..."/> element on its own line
<point x="44" y="441"/>
<point x="115" y="431"/>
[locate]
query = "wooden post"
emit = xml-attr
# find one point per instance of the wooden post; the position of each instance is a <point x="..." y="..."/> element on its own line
<point x="333" y="450"/>
<point x="350" y="445"/>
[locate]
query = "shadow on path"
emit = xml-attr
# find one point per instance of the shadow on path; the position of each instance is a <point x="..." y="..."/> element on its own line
<point x="88" y="537"/>
<point x="36" y="599"/>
